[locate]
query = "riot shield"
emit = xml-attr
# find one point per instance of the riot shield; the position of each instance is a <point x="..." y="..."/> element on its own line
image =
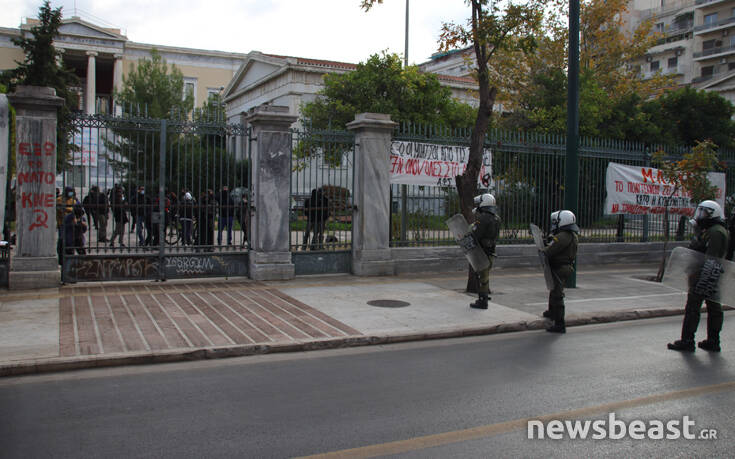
<point x="468" y="243"/>
<point x="538" y="239"/>
<point x="691" y="271"/>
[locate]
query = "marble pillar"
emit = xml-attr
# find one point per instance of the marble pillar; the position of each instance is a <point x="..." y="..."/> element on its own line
<point x="117" y="81"/>
<point x="371" y="254"/>
<point x="90" y="93"/>
<point x="4" y="133"/>
<point x="270" y="255"/>
<point x="35" y="264"/>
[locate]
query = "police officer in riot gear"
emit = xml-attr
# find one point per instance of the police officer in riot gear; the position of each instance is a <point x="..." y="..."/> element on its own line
<point x="561" y="250"/>
<point x="486" y="229"/>
<point x="711" y="238"/>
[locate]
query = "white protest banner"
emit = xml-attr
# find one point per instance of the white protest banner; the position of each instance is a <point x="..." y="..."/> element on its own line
<point x="87" y="140"/>
<point x="428" y="164"/>
<point x="638" y="190"/>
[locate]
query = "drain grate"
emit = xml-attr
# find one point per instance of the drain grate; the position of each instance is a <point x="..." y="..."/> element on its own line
<point x="388" y="303"/>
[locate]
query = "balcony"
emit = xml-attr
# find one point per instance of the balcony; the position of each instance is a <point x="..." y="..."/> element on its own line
<point x="714" y="25"/>
<point x="714" y="52"/>
<point x="709" y="2"/>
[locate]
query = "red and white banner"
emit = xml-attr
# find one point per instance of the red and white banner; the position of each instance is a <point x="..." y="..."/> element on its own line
<point x="428" y="164"/>
<point x="637" y="190"/>
<point x="88" y="141"/>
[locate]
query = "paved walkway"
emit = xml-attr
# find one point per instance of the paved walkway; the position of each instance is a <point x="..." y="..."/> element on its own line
<point x="145" y="322"/>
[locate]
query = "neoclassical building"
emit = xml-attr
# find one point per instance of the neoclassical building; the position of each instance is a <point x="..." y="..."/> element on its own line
<point x="101" y="57"/>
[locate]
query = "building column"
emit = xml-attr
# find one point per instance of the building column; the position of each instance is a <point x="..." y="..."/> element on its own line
<point x="117" y="81"/>
<point x="90" y="93"/>
<point x="35" y="264"/>
<point x="371" y="254"/>
<point x="270" y="160"/>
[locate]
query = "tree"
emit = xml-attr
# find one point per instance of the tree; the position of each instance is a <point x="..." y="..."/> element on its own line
<point x="382" y="85"/>
<point x="42" y="67"/>
<point x="687" y="116"/>
<point x="492" y="29"/>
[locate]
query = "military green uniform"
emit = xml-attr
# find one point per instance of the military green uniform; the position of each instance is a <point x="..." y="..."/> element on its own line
<point x="486" y="229"/>
<point x="561" y="252"/>
<point x="713" y="242"/>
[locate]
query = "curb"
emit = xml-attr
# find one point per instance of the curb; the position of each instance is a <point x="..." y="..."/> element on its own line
<point x="57" y="364"/>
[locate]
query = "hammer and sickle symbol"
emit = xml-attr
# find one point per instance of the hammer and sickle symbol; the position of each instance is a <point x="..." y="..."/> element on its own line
<point x="41" y="219"/>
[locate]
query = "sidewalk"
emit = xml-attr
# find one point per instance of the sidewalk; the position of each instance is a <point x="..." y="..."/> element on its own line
<point x="105" y="324"/>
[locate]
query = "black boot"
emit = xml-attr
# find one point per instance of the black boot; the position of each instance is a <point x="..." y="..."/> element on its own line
<point x="481" y="302"/>
<point x="709" y="345"/>
<point x="558" y="327"/>
<point x="547" y="314"/>
<point x="682" y="345"/>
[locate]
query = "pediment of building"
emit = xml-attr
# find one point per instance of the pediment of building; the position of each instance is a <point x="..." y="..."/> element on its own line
<point x="76" y="27"/>
<point x="256" y="68"/>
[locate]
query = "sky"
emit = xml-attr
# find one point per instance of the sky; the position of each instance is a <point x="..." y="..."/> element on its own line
<point x="322" y="29"/>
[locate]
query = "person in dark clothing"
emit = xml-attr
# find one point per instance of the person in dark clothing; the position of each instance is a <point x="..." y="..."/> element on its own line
<point x="561" y="251"/>
<point x="97" y="207"/>
<point x="119" y="215"/>
<point x="486" y="229"/>
<point x="710" y="238"/>
<point x="207" y="206"/>
<point x="731" y="230"/>
<point x="142" y="210"/>
<point x="186" y="217"/>
<point x="316" y="208"/>
<point x="226" y="207"/>
<point x="156" y="219"/>
<point x="243" y="216"/>
<point x="75" y="225"/>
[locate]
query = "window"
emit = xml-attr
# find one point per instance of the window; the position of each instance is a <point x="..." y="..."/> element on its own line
<point x="213" y="92"/>
<point x="673" y="62"/>
<point x="190" y="87"/>
<point x="732" y="41"/>
<point x="654" y="66"/>
<point x="731" y="65"/>
<point x="710" y="19"/>
<point x="708" y="71"/>
<point x="709" y="44"/>
<point x="660" y="27"/>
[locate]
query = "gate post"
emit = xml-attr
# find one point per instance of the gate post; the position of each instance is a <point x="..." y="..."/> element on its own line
<point x="35" y="264"/>
<point x="371" y="255"/>
<point x="270" y="166"/>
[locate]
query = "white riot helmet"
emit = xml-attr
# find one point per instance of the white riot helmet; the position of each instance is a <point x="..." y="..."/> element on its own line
<point x="562" y="218"/>
<point x="485" y="200"/>
<point x="188" y="196"/>
<point x="708" y="210"/>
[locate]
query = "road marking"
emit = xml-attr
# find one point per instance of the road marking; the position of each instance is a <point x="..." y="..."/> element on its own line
<point x="430" y="441"/>
<point x="613" y="298"/>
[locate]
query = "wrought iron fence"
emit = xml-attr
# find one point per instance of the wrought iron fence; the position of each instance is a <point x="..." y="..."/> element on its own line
<point x="527" y="178"/>
<point x="157" y="196"/>
<point x="322" y="179"/>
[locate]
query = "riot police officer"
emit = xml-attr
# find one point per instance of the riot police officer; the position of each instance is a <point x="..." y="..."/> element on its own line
<point x="561" y="251"/>
<point x="486" y="229"/>
<point x="710" y="238"/>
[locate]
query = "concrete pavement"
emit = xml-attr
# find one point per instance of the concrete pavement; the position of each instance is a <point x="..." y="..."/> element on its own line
<point x="105" y="324"/>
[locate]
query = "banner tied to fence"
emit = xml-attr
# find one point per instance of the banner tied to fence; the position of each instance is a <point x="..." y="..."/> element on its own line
<point x="639" y="190"/>
<point x="428" y="164"/>
<point x="87" y="141"/>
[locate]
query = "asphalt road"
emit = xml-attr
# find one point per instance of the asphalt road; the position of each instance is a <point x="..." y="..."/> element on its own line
<point x="454" y="398"/>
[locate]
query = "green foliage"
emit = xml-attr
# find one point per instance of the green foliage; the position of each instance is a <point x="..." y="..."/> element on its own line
<point x="689" y="174"/>
<point x="382" y="85"/>
<point x="155" y="89"/>
<point x="687" y="116"/>
<point x="41" y="68"/>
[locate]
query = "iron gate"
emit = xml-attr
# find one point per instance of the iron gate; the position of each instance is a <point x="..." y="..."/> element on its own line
<point x="161" y="199"/>
<point x="322" y="181"/>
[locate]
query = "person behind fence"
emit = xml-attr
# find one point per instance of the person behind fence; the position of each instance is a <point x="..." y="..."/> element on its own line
<point x="205" y="218"/>
<point x="316" y="208"/>
<point x="119" y="215"/>
<point x="486" y="230"/>
<point x="731" y="230"/>
<point x="75" y="225"/>
<point x="561" y="251"/>
<point x="64" y="206"/>
<point x="243" y="216"/>
<point x="99" y="207"/>
<point x="142" y="209"/>
<point x="710" y="238"/>
<point x="226" y="207"/>
<point x="186" y="216"/>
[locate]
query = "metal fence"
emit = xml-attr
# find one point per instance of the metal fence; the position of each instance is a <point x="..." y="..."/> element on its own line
<point x="160" y="199"/>
<point x="322" y="182"/>
<point x="528" y="176"/>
